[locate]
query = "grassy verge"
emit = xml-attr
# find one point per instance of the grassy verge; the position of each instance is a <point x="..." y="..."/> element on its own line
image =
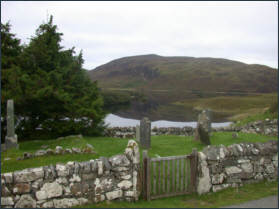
<point x="165" y="145"/>
<point x="226" y="197"/>
<point x="239" y="107"/>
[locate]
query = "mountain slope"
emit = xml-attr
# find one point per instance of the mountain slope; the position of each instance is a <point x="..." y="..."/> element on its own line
<point x="153" y="72"/>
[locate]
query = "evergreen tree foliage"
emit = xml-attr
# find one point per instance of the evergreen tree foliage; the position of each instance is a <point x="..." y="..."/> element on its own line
<point x="10" y="52"/>
<point x="57" y="97"/>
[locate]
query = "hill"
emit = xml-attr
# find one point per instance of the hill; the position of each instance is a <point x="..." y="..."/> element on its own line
<point x="153" y="72"/>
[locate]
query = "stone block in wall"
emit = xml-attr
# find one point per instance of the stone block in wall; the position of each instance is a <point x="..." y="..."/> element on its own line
<point x="134" y="156"/>
<point x="246" y="148"/>
<point x="247" y="167"/>
<point x="223" y="151"/>
<point x="7" y="201"/>
<point x="26" y="201"/>
<point x="137" y="183"/>
<point x="114" y="194"/>
<point x="68" y="202"/>
<point x="8" y="177"/>
<point x="53" y="171"/>
<point x="99" y="198"/>
<point x="94" y="166"/>
<point x="28" y="175"/>
<point x="262" y="148"/>
<point x="48" y="172"/>
<point x="88" y="176"/>
<point x="85" y="167"/>
<point x="229" y="162"/>
<point x="50" y="190"/>
<point x="106" y="163"/>
<point x="75" y="178"/>
<point x="232" y="169"/>
<point x="129" y="153"/>
<point x="245" y="175"/>
<point x="216" y="168"/>
<point x="119" y="161"/>
<point x="22" y="188"/>
<point x="5" y="192"/>
<point x="233" y="179"/>
<point x="203" y="179"/>
<point x="78" y="189"/>
<point x="254" y="150"/>
<point x="48" y="204"/>
<point x="230" y="151"/>
<point x="218" y="178"/>
<point x="237" y="150"/>
<point x="211" y="152"/>
<point x="241" y="161"/>
<point x="125" y="184"/>
<point x="275" y="163"/>
<point x="258" y="177"/>
<point x="62" y="169"/>
<point x="104" y="184"/>
<point x="258" y="168"/>
<point x="272" y="145"/>
<point x="269" y="168"/>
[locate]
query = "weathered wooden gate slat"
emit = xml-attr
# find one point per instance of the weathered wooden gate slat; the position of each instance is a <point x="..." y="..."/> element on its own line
<point x="177" y="175"/>
<point x="173" y="175"/>
<point x="163" y="186"/>
<point x="168" y="184"/>
<point x="163" y="178"/>
<point x="154" y="178"/>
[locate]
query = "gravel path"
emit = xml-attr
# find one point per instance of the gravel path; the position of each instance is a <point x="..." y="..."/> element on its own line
<point x="266" y="202"/>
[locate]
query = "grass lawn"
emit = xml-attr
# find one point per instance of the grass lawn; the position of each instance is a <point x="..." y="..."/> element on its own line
<point x="241" y="108"/>
<point x="166" y="145"/>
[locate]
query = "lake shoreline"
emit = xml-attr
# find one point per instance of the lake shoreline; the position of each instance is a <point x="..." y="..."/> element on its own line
<point x="116" y="121"/>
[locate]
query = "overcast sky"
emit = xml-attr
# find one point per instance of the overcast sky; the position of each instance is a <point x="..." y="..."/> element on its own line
<point x="241" y="31"/>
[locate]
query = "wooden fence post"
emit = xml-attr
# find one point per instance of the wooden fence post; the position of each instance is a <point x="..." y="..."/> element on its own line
<point x="148" y="178"/>
<point x="144" y="175"/>
<point x="193" y="170"/>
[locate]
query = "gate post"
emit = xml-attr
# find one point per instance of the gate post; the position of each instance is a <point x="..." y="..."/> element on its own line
<point x="144" y="174"/>
<point x="193" y="170"/>
<point x="146" y="177"/>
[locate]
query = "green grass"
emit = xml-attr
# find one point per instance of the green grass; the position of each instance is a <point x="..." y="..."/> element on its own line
<point x="258" y="107"/>
<point x="165" y="145"/>
<point x="226" y="197"/>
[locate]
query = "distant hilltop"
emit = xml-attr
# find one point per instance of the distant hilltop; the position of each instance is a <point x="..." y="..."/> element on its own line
<point x="153" y="72"/>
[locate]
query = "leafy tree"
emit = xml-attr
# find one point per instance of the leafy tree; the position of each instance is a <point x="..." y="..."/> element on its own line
<point x="56" y="92"/>
<point x="10" y="52"/>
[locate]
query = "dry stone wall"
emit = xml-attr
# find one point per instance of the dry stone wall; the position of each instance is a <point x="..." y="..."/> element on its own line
<point x="75" y="183"/>
<point x="269" y="127"/>
<point x="220" y="167"/>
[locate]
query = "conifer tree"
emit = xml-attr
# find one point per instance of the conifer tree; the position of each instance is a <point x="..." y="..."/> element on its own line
<point x="10" y="73"/>
<point x="58" y="98"/>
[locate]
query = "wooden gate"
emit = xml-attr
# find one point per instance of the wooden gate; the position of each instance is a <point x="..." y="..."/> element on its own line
<point x="169" y="176"/>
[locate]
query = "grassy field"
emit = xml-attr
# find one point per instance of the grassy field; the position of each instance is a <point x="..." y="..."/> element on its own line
<point x="166" y="145"/>
<point x="246" y="108"/>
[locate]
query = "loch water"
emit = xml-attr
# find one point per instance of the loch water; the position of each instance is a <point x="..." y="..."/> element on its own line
<point x="159" y="107"/>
